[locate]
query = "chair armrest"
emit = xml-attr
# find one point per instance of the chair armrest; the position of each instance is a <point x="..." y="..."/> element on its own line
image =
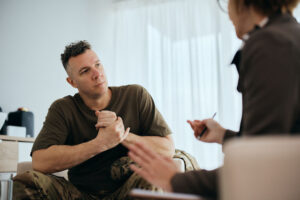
<point x="180" y="164"/>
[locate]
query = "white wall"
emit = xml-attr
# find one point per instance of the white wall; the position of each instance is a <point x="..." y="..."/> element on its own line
<point x="33" y="34"/>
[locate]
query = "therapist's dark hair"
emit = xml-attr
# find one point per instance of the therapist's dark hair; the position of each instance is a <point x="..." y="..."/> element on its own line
<point x="269" y="7"/>
<point x="72" y="50"/>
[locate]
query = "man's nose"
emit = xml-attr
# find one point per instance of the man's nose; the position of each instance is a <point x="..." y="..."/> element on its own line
<point x="97" y="74"/>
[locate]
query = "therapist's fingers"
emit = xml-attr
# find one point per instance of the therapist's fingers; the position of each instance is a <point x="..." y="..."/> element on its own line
<point x="191" y="124"/>
<point x="140" y="153"/>
<point x="141" y="162"/>
<point x="146" y="150"/>
<point x="141" y="171"/>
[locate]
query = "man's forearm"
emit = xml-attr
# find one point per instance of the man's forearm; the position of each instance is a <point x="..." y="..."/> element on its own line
<point x="162" y="145"/>
<point x="60" y="157"/>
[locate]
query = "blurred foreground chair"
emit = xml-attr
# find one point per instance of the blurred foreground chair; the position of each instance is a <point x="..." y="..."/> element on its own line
<point x="261" y="168"/>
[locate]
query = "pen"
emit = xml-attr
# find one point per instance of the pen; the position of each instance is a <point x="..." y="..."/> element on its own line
<point x="205" y="128"/>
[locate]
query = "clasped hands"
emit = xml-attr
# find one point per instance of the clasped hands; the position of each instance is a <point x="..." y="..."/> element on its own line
<point x="111" y="131"/>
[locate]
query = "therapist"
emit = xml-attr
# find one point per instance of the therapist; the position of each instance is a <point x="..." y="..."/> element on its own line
<point x="269" y="71"/>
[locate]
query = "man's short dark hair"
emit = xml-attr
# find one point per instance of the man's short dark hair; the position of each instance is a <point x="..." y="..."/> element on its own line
<point x="72" y="50"/>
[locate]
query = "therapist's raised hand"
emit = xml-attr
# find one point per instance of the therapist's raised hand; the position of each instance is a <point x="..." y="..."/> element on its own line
<point x="213" y="134"/>
<point x="156" y="169"/>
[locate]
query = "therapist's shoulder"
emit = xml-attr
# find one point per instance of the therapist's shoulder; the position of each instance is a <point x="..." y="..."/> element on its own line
<point x="284" y="35"/>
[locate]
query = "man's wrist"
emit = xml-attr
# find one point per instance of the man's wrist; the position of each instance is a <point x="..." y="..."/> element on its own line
<point x="128" y="140"/>
<point x="97" y="146"/>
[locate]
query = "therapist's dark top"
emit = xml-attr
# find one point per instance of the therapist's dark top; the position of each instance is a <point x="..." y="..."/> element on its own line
<point x="269" y="80"/>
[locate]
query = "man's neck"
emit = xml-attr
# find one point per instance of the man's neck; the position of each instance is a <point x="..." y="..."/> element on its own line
<point x="98" y="103"/>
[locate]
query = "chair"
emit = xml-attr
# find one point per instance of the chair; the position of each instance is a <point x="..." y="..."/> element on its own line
<point x="261" y="168"/>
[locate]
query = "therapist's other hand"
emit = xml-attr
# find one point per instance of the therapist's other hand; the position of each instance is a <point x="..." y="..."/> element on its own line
<point x="213" y="134"/>
<point x="156" y="169"/>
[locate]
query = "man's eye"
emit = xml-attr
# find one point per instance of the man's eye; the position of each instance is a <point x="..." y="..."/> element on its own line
<point x="84" y="71"/>
<point x="98" y="65"/>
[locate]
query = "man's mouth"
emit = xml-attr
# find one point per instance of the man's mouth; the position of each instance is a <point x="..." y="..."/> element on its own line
<point x="99" y="84"/>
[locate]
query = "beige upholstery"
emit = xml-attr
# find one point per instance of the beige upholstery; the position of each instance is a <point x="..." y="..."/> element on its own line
<point x="261" y="168"/>
<point x="180" y="164"/>
<point x="25" y="166"/>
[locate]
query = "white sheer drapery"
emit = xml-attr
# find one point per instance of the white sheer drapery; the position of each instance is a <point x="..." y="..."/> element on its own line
<point x="180" y="50"/>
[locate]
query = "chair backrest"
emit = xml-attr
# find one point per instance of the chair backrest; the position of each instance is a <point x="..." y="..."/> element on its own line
<point x="261" y="168"/>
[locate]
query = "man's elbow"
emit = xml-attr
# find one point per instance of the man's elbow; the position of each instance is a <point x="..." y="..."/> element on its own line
<point x="39" y="164"/>
<point x="171" y="151"/>
<point x="170" y="147"/>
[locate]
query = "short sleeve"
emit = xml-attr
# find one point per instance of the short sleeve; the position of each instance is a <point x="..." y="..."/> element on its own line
<point x="54" y="130"/>
<point x="152" y="122"/>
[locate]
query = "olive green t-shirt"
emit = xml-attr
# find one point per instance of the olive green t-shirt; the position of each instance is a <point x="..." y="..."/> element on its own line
<point x="70" y="122"/>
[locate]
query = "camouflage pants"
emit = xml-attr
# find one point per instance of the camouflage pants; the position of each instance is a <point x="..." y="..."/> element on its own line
<point x="36" y="185"/>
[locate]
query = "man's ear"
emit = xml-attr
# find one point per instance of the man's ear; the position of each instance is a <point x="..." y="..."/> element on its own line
<point x="71" y="82"/>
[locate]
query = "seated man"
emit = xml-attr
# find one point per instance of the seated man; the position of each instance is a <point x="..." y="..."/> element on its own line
<point x="86" y="134"/>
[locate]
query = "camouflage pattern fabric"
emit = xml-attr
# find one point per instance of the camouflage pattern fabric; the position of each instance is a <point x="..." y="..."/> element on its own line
<point x="36" y="185"/>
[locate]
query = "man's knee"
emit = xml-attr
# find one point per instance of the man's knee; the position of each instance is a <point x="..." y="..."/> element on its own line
<point x="30" y="178"/>
<point x="29" y="185"/>
<point x="36" y="185"/>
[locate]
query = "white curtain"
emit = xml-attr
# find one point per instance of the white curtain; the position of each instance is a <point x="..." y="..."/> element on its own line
<point x="180" y="50"/>
<point x="297" y="13"/>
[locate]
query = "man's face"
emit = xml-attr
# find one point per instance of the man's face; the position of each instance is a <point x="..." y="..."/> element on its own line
<point x="86" y="73"/>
